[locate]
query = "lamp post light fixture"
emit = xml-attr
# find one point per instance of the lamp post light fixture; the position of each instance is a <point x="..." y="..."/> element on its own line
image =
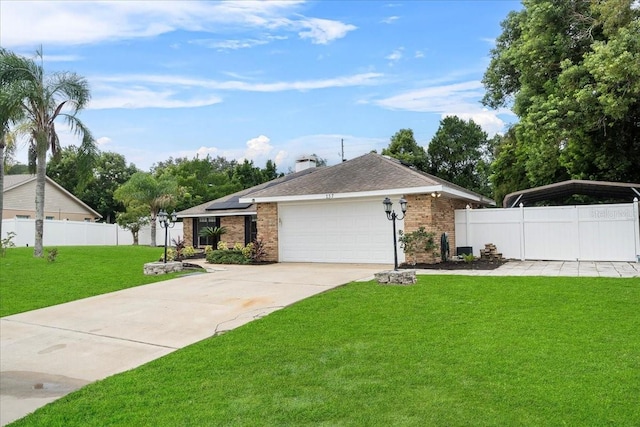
<point x="166" y="222"/>
<point x="392" y="216"/>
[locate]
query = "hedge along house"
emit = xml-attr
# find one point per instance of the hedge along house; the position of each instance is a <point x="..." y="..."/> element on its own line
<point x="335" y="214"/>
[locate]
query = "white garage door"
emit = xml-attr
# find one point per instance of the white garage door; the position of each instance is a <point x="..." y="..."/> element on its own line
<point x="345" y="231"/>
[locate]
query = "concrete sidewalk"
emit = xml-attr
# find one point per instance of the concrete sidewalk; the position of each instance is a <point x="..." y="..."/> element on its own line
<point x="50" y="352"/>
<point x="553" y="268"/>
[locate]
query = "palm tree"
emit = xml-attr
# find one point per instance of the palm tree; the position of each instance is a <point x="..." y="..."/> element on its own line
<point x="43" y="100"/>
<point x="155" y="194"/>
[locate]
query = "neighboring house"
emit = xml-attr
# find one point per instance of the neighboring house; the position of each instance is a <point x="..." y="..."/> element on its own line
<point x="19" y="193"/>
<point x="335" y="214"/>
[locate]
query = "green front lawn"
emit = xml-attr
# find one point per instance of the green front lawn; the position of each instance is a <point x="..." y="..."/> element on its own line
<point x="27" y="283"/>
<point x="452" y="350"/>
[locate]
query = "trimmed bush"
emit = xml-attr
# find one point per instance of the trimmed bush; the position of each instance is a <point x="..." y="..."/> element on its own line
<point x="228" y="256"/>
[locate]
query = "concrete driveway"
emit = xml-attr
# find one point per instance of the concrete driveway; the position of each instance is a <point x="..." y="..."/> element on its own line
<point x="47" y="353"/>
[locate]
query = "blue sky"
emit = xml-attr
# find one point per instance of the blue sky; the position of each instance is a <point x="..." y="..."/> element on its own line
<point x="264" y="80"/>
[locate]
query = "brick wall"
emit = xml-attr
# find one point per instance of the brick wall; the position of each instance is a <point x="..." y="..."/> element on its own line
<point x="187" y="231"/>
<point x="268" y="229"/>
<point x="235" y="230"/>
<point x="436" y="215"/>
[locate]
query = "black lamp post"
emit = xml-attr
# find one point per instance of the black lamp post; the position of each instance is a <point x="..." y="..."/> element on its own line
<point x="166" y="222"/>
<point x="392" y="216"/>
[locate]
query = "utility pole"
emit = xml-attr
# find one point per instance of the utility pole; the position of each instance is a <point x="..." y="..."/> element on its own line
<point x="342" y="145"/>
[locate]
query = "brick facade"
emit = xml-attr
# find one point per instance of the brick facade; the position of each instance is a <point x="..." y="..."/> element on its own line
<point x="268" y="229"/>
<point x="436" y="215"/>
<point x="187" y="231"/>
<point x="235" y="230"/>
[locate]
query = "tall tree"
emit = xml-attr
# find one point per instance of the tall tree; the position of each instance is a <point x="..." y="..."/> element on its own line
<point x="46" y="99"/>
<point x="109" y="172"/>
<point x="459" y="152"/>
<point x="571" y="71"/>
<point x="403" y="146"/>
<point x="155" y="194"/>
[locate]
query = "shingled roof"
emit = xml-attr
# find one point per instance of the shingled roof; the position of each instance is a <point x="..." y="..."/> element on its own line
<point x="231" y="205"/>
<point x="371" y="173"/>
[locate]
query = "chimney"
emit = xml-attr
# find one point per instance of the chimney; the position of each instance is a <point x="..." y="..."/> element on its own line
<point x="305" y="162"/>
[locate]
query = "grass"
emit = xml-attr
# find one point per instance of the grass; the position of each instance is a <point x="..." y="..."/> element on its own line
<point x="28" y="283"/>
<point x="452" y="350"/>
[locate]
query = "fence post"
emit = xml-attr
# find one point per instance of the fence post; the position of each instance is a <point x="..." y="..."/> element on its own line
<point x="467" y="219"/>
<point x="636" y="227"/>
<point x="522" y="245"/>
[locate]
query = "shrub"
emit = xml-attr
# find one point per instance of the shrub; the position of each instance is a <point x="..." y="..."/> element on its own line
<point x="7" y="242"/>
<point x="179" y="244"/>
<point x="52" y="254"/>
<point x="468" y="258"/>
<point x="227" y="257"/>
<point x="188" y="251"/>
<point x="258" y="252"/>
<point x="207" y="250"/>
<point x="419" y="241"/>
<point x="222" y="246"/>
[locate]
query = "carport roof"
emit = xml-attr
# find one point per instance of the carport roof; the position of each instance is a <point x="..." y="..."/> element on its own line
<point x="565" y="189"/>
<point x="370" y="174"/>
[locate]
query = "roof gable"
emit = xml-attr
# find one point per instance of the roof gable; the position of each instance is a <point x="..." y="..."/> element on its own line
<point x="12" y="182"/>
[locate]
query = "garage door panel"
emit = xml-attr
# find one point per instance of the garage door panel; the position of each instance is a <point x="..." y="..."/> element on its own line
<point x="354" y="231"/>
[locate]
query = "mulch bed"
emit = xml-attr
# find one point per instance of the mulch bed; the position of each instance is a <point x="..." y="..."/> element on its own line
<point x="458" y="265"/>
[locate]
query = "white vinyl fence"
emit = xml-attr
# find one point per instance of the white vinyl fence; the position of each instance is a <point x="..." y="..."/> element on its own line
<point x="78" y="233"/>
<point x="564" y="233"/>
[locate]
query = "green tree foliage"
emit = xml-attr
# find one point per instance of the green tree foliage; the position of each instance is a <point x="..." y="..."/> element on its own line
<point x="153" y="193"/>
<point x="571" y="72"/>
<point x="206" y="179"/>
<point x="109" y="172"/>
<point x="404" y="147"/>
<point x="45" y="100"/>
<point x="459" y="152"/>
<point x="508" y="169"/>
<point x="133" y="219"/>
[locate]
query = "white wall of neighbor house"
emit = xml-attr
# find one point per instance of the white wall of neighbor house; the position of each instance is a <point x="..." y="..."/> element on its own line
<point x="80" y="233"/>
<point x="336" y="230"/>
<point x="563" y="233"/>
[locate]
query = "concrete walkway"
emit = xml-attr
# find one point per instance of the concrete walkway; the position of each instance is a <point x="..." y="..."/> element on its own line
<point x="47" y="353"/>
<point x="553" y="268"/>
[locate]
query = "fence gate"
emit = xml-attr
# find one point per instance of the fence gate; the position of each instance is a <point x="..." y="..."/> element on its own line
<point x="564" y="233"/>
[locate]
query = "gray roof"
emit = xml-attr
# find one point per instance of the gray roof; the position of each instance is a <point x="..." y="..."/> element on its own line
<point x="10" y="181"/>
<point x="367" y="173"/>
<point x="230" y="204"/>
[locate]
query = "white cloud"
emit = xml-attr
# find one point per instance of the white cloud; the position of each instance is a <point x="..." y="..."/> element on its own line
<point x="72" y="23"/>
<point x="323" y="31"/>
<point x="390" y="20"/>
<point x="136" y="97"/>
<point x="418" y="54"/>
<point x="166" y="91"/>
<point x="395" y="56"/>
<point x="103" y="141"/>
<point x="258" y="147"/>
<point x="460" y="99"/>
